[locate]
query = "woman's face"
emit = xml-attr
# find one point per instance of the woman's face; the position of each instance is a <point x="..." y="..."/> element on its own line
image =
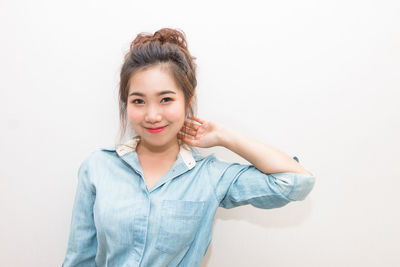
<point x="154" y="101"/>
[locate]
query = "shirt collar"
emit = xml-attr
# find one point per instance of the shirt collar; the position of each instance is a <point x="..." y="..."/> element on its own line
<point x="185" y="151"/>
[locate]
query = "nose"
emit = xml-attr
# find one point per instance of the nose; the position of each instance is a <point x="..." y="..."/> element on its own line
<point x="153" y="115"/>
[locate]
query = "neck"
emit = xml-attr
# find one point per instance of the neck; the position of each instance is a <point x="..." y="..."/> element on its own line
<point x="169" y="150"/>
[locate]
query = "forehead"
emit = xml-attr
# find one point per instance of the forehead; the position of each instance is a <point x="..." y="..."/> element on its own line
<point x="151" y="81"/>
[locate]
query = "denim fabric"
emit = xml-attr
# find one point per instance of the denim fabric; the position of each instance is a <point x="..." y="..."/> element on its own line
<point x="116" y="221"/>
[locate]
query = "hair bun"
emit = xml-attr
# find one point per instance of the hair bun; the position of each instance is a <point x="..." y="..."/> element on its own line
<point x="164" y="35"/>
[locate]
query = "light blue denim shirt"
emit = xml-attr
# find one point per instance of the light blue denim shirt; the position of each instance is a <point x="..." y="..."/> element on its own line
<point x="116" y="221"/>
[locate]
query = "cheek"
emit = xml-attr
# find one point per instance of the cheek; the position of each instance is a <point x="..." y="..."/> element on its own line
<point x="175" y="113"/>
<point x="134" y="115"/>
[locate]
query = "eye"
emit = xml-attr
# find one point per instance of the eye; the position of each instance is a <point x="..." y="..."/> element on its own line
<point x="134" y="101"/>
<point x="169" y="99"/>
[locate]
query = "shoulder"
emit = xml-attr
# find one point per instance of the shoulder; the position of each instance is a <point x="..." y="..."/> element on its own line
<point x="210" y="162"/>
<point x="98" y="157"/>
<point x="201" y="156"/>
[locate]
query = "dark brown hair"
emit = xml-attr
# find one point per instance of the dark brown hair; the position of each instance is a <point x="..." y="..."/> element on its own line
<point x="168" y="48"/>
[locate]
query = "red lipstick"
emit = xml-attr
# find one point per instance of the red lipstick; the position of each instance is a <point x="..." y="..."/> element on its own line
<point x="156" y="130"/>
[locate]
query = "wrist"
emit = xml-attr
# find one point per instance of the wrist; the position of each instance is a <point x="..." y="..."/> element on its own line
<point x="227" y="137"/>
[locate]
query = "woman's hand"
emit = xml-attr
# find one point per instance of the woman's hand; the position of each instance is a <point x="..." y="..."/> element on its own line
<point x="206" y="134"/>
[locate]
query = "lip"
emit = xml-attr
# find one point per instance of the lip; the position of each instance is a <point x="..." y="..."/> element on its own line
<point x="155" y="130"/>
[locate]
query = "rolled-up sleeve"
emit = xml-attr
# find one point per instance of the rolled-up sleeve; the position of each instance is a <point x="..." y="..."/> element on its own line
<point x="238" y="184"/>
<point x="82" y="243"/>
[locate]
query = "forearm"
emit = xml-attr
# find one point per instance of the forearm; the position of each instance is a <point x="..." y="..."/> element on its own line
<point x="264" y="157"/>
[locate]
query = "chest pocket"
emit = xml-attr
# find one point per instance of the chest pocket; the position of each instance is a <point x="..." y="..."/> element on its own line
<point x="180" y="221"/>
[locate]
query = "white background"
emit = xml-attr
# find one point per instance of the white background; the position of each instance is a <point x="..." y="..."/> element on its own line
<point x="315" y="79"/>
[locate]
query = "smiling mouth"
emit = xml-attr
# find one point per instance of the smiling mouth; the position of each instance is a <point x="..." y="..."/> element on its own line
<point x="157" y="128"/>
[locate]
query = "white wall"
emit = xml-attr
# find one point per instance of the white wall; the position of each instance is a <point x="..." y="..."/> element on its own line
<point x="315" y="79"/>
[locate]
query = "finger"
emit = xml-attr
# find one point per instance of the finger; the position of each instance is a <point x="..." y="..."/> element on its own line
<point x="197" y="119"/>
<point x="191" y="125"/>
<point x="180" y="136"/>
<point x="189" y="131"/>
<point x="188" y="140"/>
<point x="183" y="129"/>
<point x="184" y="134"/>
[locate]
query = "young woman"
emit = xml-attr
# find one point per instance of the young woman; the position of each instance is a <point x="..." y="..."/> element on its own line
<point x="151" y="201"/>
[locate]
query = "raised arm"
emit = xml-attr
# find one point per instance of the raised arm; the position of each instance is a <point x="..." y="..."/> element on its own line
<point x="272" y="180"/>
<point x="264" y="157"/>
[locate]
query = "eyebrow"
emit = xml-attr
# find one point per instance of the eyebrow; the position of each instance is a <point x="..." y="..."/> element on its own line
<point x="160" y="93"/>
